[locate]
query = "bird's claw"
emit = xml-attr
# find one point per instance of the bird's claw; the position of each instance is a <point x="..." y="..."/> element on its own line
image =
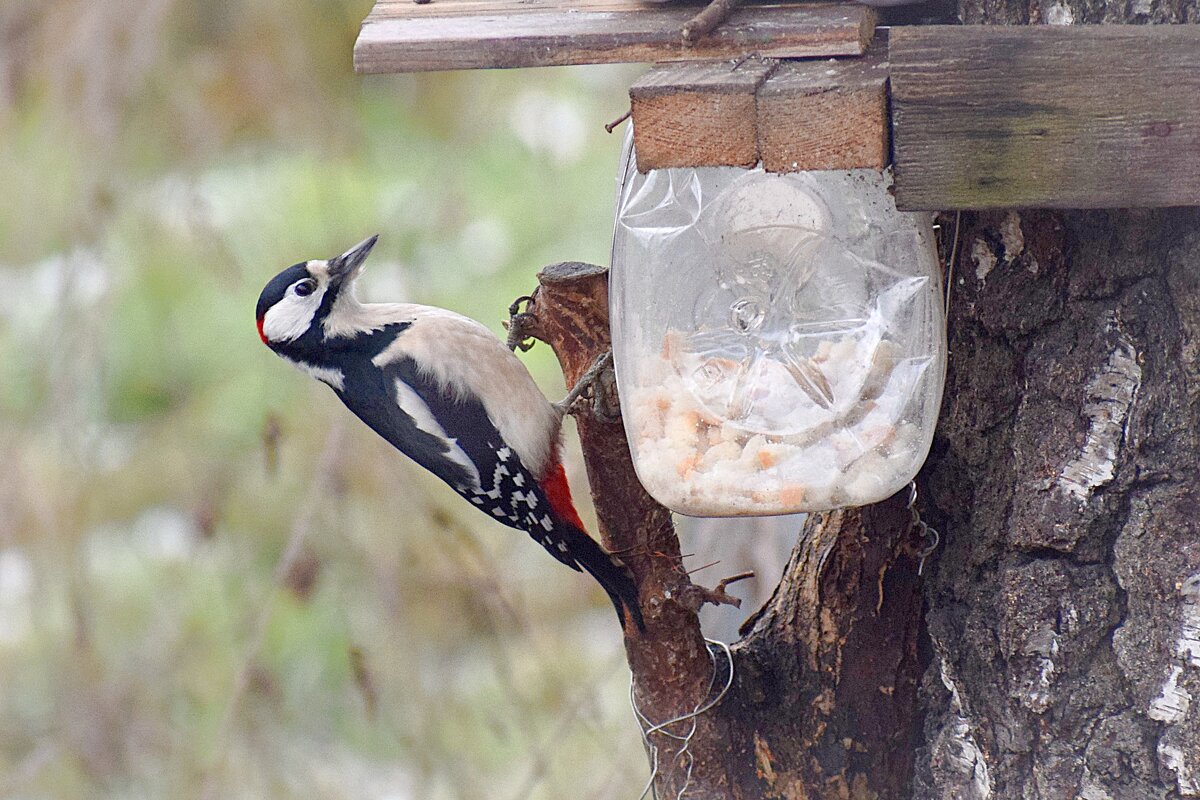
<point x="587" y="384"/>
<point x="518" y="326"/>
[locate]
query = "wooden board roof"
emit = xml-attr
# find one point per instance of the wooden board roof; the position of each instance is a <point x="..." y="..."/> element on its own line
<point x="403" y="36"/>
<point x="1058" y="116"/>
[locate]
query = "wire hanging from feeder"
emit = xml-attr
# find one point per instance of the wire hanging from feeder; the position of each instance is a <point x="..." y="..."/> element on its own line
<point x="929" y="535"/>
<point x="950" y="266"/>
<point x="683" y="755"/>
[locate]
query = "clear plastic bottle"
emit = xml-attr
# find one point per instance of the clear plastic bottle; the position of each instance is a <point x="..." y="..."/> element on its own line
<point x="779" y="339"/>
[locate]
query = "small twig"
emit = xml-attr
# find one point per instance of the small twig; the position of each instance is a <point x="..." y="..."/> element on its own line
<point x="272" y="433"/>
<point x="611" y="126"/>
<point x="693" y="596"/>
<point x="364" y="680"/>
<point x="741" y="576"/>
<point x="709" y="18"/>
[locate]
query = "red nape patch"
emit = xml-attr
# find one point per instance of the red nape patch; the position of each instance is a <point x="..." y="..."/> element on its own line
<point x="262" y="335"/>
<point x="559" y="494"/>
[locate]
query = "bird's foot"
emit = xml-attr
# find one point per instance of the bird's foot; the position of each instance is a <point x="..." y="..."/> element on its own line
<point x="588" y="384"/>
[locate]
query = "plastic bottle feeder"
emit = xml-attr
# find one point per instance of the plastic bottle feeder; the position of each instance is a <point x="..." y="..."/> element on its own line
<point x="779" y="340"/>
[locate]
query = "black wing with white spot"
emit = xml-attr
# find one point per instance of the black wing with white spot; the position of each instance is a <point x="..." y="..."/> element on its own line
<point x="372" y="396"/>
<point x="471" y="456"/>
<point x="497" y="482"/>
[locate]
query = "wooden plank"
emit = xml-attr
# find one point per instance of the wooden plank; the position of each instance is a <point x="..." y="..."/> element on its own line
<point x="697" y="115"/>
<point x="402" y="36"/>
<point x="404" y="9"/>
<point x="1062" y="117"/>
<point x="815" y="115"/>
<point x="795" y="115"/>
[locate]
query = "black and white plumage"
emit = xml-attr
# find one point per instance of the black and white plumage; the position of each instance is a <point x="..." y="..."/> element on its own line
<point x="447" y="393"/>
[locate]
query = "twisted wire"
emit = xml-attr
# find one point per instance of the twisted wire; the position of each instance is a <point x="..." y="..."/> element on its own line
<point x="683" y="756"/>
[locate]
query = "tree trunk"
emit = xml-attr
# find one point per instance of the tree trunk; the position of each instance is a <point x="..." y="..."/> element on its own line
<point x="1059" y="651"/>
<point x="822" y="699"/>
<point x="1064" y="610"/>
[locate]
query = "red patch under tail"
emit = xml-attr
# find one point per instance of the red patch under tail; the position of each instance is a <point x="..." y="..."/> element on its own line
<point x="582" y="551"/>
<point x="262" y="335"/>
<point x="559" y="494"/>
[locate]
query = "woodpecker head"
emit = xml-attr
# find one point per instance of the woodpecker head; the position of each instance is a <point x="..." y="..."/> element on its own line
<point x="300" y="298"/>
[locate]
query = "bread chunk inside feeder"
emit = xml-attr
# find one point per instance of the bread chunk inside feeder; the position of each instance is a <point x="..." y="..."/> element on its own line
<point x="779" y="340"/>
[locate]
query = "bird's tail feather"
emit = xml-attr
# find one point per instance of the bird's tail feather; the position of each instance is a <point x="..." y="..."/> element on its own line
<point x="570" y="544"/>
<point x="613" y="575"/>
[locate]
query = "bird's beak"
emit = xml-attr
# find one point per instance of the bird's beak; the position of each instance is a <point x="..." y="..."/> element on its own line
<point x="347" y="266"/>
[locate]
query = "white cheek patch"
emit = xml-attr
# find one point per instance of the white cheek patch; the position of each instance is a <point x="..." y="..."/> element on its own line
<point x="288" y="319"/>
<point x="411" y="403"/>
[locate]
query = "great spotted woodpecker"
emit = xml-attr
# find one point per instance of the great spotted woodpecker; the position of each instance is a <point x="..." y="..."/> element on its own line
<point x="447" y="393"/>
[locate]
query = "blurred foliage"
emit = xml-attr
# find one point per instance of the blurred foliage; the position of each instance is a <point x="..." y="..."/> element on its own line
<point x="162" y="160"/>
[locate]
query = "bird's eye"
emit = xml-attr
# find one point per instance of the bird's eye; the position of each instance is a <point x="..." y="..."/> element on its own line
<point x="305" y="288"/>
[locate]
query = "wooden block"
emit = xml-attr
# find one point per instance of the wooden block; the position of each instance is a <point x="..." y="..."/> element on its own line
<point x="402" y="36"/>
<point x="1087" y="116"/>
<point x="697" y="115"/>
<point x="798" y="115"/>
<point x="815" y="115"/>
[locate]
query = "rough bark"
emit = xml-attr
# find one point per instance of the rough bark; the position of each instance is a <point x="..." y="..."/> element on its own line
<point x="823" y="696"/>
<point x="827" y="675"/>
<point x="1064" y="611"/>
<point x="1065" y="12"/>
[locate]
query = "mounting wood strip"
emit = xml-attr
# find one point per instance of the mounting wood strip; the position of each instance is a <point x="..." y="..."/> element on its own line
<point x="815" y="115"/>
<point x="402" y="36"/>
<point x="1088" y="116"/>
<point x="791" y="115"/>
<point x="697" y="115"/>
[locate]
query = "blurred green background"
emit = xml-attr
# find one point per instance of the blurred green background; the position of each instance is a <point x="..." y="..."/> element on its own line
<point x="214" y="583"/>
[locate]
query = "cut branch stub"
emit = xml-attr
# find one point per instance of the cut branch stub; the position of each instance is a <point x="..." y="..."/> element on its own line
<point x="670" y="662"/>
